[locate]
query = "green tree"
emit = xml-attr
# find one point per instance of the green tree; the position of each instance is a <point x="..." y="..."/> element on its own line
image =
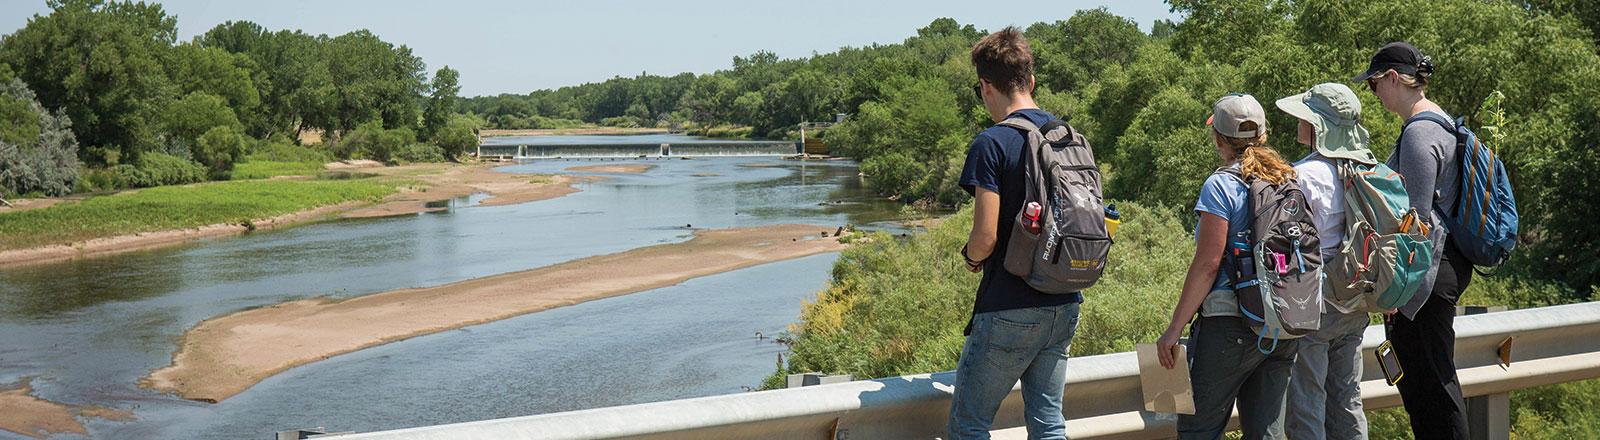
<point x="709" y="100"/>
<point x="103" y="63"/>
<point x="912" y="144"/>
<point x="194" y="115"/>
<point x="457" y="137"/>
<point x="292" y="78"/>
<point x="217" y="72"/>
<point x="442" y="102"/>
<point x="372" y="79"/>
<point x="1070" y="54"/>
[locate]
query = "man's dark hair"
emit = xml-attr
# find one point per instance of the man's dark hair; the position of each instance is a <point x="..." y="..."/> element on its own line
<point x="1004" y="60"/>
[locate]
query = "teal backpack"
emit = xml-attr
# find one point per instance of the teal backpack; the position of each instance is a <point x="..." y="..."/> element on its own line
<point x="1386" y="252"/>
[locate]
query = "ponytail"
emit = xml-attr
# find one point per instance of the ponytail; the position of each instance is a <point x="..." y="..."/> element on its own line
<point x="1257" y="160"/>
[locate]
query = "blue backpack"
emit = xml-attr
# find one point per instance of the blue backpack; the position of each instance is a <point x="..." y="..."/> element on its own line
<point x="1483" y="220"/>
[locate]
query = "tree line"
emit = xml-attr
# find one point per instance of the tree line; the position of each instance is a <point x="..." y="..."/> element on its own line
<point x="132" y="94"/>
<point x="1524" y="73"/>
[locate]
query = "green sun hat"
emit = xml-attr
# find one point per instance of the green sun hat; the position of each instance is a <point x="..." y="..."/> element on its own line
<point x="1336" y="113"/>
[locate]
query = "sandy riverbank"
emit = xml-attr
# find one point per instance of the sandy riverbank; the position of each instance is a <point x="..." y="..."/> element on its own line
<point x="613" y="169"/>
<point x="447" y="182"/>
<point x="225" y="355"/>
<point x="22" y="413"/>
<point x="494" y="132"/>
<point x="147" y="240"/>
<point x="435" y="183"/>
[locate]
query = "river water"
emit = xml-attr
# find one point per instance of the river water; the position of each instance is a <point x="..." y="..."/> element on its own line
<point x="85" y="331"/>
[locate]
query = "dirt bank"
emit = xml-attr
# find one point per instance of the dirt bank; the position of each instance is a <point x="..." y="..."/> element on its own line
<point x="442" y="183"/>
<point x="22" y="413"/>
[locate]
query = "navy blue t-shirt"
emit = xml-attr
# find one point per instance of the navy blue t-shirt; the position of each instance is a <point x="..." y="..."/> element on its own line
<point x="994" y="162"/>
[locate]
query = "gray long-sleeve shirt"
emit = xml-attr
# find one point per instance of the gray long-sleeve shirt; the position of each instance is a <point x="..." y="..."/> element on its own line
<point x="1426" y="159"/>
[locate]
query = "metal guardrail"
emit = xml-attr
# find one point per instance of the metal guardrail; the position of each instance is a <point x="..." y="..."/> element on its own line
<point x="1552" y="345"/>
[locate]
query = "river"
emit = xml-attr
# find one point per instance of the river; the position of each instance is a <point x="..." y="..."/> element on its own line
<point x="87" y="330"/>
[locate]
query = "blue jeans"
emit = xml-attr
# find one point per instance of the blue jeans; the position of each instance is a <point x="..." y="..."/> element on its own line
<point x="1028" y="344"/>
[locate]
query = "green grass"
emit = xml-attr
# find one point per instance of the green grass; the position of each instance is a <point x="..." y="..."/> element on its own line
<point x="262" y="169"/>
<point x="897" y="307"/>
<point x="163" y="208"/>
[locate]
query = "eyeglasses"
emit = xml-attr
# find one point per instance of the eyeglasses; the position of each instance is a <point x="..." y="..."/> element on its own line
<point x="977" y="89"/>
<point x="1372" y="83"/>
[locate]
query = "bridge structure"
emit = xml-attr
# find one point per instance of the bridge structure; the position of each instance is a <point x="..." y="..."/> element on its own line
<point x="591" y="149"/>
<point x="1496" y="353"/>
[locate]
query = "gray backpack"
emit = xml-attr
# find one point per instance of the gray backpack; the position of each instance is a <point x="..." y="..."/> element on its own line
<point x="1277" y="265"/>
<point x="1068" y="252"/>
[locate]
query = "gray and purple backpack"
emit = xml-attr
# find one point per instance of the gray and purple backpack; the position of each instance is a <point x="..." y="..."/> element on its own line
<point x="1276" y="264"/>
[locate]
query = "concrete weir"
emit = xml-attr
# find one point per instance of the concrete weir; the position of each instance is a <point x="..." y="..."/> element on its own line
<point x="696" y="148"/>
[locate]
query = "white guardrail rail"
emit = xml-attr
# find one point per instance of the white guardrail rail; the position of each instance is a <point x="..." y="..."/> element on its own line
<point x="1103" y="401"/>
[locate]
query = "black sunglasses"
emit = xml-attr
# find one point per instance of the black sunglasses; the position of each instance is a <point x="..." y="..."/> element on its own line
<point x="1372" y="83"/>
<point x="977" y="89"/>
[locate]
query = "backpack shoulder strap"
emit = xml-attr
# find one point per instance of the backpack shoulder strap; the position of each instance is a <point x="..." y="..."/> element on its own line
<point x="1449" y="127"/>
<point x="1430" y="117"/>
<point x="1230" y="171"/>
<point x="1020" y="123"/>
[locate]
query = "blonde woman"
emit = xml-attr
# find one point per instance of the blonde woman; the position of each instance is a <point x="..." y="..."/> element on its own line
<point x="1224" y="363"/>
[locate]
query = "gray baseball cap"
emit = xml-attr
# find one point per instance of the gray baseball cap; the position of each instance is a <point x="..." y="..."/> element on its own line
<point x="1336" y="113"/>
<point x="1233" y="110"/>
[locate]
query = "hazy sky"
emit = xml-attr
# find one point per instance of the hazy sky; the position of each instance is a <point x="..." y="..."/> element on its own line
<point x="503" y="46"/>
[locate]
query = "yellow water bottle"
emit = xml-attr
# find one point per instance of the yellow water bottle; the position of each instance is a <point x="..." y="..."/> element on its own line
<point x="1113" y="220"/>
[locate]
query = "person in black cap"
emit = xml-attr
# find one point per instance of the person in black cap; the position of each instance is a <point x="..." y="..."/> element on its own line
<point x="1422" y="331"/>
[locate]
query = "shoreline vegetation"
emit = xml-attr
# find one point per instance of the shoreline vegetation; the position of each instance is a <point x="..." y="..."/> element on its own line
<point x="225" y="355"/>
<point x="169" y="215"/>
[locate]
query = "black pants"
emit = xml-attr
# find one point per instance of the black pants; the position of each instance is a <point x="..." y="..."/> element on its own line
<point x="1426" y="347"/>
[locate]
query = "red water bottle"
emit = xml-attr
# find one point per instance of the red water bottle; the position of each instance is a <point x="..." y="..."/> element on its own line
<point x="1031" y="214"/>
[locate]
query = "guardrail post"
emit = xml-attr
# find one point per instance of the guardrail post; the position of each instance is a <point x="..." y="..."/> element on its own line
<point x="1488" y="417"/>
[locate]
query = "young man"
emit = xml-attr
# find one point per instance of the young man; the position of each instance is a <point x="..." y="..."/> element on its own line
<point x="1423" y="330"/>
<point x="1016" y="332"/>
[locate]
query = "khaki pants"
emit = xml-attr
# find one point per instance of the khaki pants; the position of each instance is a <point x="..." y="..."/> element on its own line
<point x="1325" y="384"/>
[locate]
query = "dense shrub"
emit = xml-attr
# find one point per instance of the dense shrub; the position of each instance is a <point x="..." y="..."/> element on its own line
<point x="157" y="169"/>
<point x="418" y="152"/>
<point x="457" y="137"/>
<point x="219" y="148"/>
<point x="38" y="153"/>
<point x="287" y="152"/>
<point x="372" y="141"/>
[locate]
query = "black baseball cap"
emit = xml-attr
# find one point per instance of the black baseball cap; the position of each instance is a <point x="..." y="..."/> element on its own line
<point x="1400" y="56"/>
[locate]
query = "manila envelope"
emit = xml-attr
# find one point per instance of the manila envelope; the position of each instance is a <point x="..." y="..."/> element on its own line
<point x="1165" y="391"/>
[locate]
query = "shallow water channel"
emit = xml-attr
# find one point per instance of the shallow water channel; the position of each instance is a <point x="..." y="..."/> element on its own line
<point x="86" y="331"/>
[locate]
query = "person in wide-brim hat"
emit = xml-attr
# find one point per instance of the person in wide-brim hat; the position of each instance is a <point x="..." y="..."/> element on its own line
<point x="1335" y="113"/>
<point x="1325" y="383"/>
